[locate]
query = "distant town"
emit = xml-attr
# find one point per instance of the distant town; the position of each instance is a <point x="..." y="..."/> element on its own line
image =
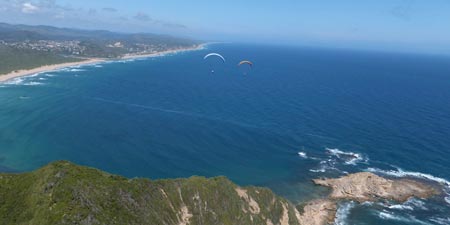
<point x="80" y="48"/>
<point x="63" y="47"/>
<point x="26" y="47"/>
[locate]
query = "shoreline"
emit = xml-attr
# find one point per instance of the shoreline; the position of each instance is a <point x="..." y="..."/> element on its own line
<point x="163" y="53"/>
<point x="47" y="68"/>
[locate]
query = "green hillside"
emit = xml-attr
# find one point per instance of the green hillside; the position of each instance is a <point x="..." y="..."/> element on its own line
<point x="64" y="193"/>
<point x="26" y="47"/>
<point x="12" y="59"/>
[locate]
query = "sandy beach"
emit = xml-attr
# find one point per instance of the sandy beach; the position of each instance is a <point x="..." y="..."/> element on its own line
<point x="47" y="68"/>
<point x="156" y="54"/>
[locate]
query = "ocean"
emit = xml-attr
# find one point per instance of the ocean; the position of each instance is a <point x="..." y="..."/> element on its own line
<point x="299" y="114"/>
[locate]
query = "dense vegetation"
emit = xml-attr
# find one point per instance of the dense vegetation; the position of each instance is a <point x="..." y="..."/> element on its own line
<point x="18" y="59"/>
<point x="64" y="193"/>
<point x="25" y="47"/>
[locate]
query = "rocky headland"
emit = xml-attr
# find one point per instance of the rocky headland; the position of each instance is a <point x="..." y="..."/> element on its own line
<point x="366" y="186"/>
<point x="361" y="187"/>
<point x="64" y="193"/>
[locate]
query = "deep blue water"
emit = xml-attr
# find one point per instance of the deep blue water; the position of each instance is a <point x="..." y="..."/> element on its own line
<point x="171" y="117"/>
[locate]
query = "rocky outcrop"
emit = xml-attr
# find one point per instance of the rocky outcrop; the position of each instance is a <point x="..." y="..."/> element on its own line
<point x="318" y="212"/>
<point x="370" y="187"/>
<point x="360" y="187"/>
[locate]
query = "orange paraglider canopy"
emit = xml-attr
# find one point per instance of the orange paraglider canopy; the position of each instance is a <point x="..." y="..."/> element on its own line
<point x="246" y="62"/>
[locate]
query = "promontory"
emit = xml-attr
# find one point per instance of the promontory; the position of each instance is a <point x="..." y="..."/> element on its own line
<point x="65" y="193"/>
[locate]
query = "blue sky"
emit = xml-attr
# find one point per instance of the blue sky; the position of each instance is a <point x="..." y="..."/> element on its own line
<point x="403" y="25"/>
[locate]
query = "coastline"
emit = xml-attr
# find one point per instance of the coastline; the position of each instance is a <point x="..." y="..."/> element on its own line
<point x="47" y="68"/>
<point x="156" y="54"/>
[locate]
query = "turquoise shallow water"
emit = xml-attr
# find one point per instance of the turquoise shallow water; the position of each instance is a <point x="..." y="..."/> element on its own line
<point x="170" y="117"/>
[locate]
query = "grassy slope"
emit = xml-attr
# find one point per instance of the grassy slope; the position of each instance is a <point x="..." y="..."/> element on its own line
<point x="64" y="193"/>
<point x="14" y="59"/>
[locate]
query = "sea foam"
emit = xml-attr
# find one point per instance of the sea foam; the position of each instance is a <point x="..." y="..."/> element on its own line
<point x="351" y="158"/>
<point x="303" y="155"/>
<point x="401" y="207"/>
<point x="385" y="215"/>
<point x="410" y="205"/>
<point x="343" y="212"/>
<point x="402" y="173"/>
<point x="33" y="83"/>
<point x="443" y="221"/>
<point x="15" y="81"/>
<point x="338" y="158"/>
<point x="76" y="70"/>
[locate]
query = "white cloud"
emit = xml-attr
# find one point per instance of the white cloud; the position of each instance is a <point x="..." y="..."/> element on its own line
<point x="28" y="8"/>
<point x="59" y="13"/>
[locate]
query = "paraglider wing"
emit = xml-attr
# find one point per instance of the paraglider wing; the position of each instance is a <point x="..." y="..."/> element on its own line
<point x="215" y="54"/>
<point x="246" y="62"/>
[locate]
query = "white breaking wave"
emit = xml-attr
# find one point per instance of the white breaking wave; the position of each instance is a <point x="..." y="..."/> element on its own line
<point x="416" y="203"/>
<point x="76" y="70"/>
<point x="401" y="207"/>
<point x="15" y="81"/>
<point x="402" y="173"/>
<point x="410" y="205"/>
<point x="334" y="159"/>
<point x="33" y="83"/>
<point x="126" y="60"/>
<point x="325" y="165"/>
<point x="351" y="158"/>
<point x="23" y="80"/>
<point x="303" y="155"/>
<point x="322" y="170"/>
<point x="33" y="75"/>
<point x="343" y="212"/>
<point x="71" y="69"/>
<point x="443" y="221"/>
<point x="410" y="219"/>
<point x="367" y="203"/>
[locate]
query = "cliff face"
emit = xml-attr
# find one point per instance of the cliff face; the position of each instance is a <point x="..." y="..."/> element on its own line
<point x="64" y="193"/>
